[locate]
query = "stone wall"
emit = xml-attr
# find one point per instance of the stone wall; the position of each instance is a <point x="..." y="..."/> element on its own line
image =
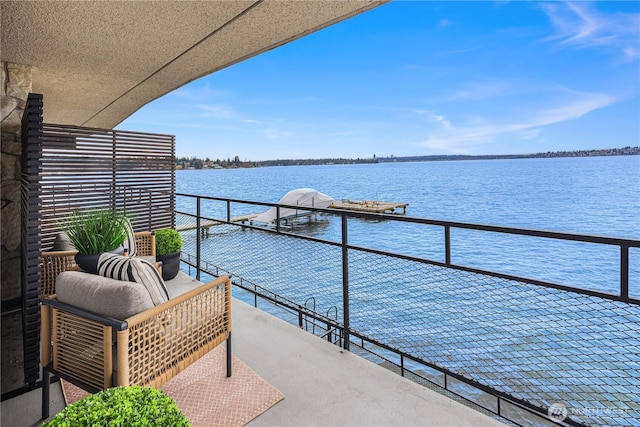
<point x="16" y="85"/>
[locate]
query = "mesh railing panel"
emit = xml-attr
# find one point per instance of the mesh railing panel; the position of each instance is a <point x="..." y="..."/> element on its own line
<point x="537" y="344"/>
<point x="294" y="268"/>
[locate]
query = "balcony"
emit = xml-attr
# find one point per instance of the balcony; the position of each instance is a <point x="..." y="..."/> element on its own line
<point x="322" y="384"/>
<point x="494" y="366"/>
<point x="492" y="336"/>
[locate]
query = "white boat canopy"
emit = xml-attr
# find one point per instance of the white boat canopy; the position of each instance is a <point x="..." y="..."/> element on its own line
<point x="303" y="197"/>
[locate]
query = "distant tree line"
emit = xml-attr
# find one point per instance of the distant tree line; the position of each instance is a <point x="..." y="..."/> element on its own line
<point x="303" y="162"/>
<point x="625" y="151"/>
<point x="207" y="163"/>
<point x="197" y="163"/>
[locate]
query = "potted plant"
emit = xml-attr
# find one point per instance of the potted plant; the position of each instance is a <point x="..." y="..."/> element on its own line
<point x="95" y="232"/>
<point x="122" y="406"/>
<point x="168" y="246"/>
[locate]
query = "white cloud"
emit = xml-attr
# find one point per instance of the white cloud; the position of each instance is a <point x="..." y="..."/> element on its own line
<point x="462" y="138"/>
<point x="224" y="113"/>
<point x="219" y="111"/>
<point x="575" y="109"/>
<point x="446" y="124"/>
<point x="482" y="90"/>
<point x="580" y="25"/>
<point x="273" y="133"/>
<point x="444" y="23"/>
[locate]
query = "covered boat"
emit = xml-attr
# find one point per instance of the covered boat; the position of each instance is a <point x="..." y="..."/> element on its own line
<point x="302" y="197"/>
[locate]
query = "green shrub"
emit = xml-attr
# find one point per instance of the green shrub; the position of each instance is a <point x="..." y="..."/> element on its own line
<point x="132" y="406"/>
<point x="168" y="241"/>
<point x="95" y="232"/>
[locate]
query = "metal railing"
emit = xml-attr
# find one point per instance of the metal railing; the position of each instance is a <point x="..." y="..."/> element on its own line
<point x="342" y="291"/>
<point x="622" y="244"/>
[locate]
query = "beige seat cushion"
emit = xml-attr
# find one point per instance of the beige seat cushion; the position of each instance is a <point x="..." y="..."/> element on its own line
<point x="101" y="295"/>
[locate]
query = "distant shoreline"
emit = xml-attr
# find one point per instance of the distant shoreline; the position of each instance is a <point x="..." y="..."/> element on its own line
<point x="626" y="151"/>
<point x="196" y="163"/>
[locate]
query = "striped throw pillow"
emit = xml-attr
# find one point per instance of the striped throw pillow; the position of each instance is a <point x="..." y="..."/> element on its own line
<point x="130" y="242"/>
<point x="134" y="270"/>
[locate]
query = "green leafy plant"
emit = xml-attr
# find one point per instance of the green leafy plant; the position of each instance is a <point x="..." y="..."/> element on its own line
<point x="131" y="406"/>
<point x="168" y="241"/>
<point x="95" y="232"/>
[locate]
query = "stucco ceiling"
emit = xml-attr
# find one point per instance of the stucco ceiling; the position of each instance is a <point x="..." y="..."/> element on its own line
<point x="97" y="62"/>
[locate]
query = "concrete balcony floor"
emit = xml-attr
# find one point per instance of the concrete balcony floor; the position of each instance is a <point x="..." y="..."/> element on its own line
<point x="323" y="385"/>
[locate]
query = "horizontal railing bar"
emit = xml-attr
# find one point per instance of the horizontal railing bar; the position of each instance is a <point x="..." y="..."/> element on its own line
<point x="542" y="283"/>
<point x="462" y="225"/>
<point x="568" y="288"/>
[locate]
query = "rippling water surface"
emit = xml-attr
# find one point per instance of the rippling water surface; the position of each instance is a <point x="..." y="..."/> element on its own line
<point x="586" y="195"/>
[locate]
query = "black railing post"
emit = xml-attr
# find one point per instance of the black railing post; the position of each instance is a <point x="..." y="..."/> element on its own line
<point x="345" y="282"/>
<point x="277" y="219"/>
<point x="229" y="211"/>
<point x="447" y="245"/>
<point x="624" y="273"/>
<point x="198" y="239"/>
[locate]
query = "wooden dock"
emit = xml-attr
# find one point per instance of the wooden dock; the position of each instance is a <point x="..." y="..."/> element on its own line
<point x="205" y="226"/>
<point x="373" y="206"/>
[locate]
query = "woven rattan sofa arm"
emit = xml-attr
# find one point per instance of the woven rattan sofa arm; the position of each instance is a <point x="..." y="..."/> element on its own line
<point x="77" y="345"/>
<point x="54" y="263"/>
<point x="145" y="243"/>
<point x="47" y="322"/>
<point x="162" y="341"/>
<point x="221" y="283"/>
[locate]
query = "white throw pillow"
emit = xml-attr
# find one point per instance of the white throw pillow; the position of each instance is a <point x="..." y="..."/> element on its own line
<point x="130" y="242"/>
<point x="134" y="270"/>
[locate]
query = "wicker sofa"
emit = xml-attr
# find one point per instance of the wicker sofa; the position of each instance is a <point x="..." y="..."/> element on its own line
<point x="87" y="345"/>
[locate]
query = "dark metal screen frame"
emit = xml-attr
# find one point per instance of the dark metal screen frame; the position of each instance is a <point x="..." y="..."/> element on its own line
<point x="30" y="235"/>
<point x="68" y="169"/>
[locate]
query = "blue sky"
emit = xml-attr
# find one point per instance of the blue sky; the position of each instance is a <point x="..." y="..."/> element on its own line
<point x="422" y="78"/>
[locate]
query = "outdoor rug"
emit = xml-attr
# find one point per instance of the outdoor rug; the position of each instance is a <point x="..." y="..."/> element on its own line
<point x="207" y="397"/>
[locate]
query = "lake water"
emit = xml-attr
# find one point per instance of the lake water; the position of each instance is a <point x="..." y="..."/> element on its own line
<point x="519" y="339"/>
<point x="586" y="195"/>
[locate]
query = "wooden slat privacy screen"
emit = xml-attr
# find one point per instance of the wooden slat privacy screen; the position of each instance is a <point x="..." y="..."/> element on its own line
<point x="67" y="169"/>
<point x="87" y="169"/>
